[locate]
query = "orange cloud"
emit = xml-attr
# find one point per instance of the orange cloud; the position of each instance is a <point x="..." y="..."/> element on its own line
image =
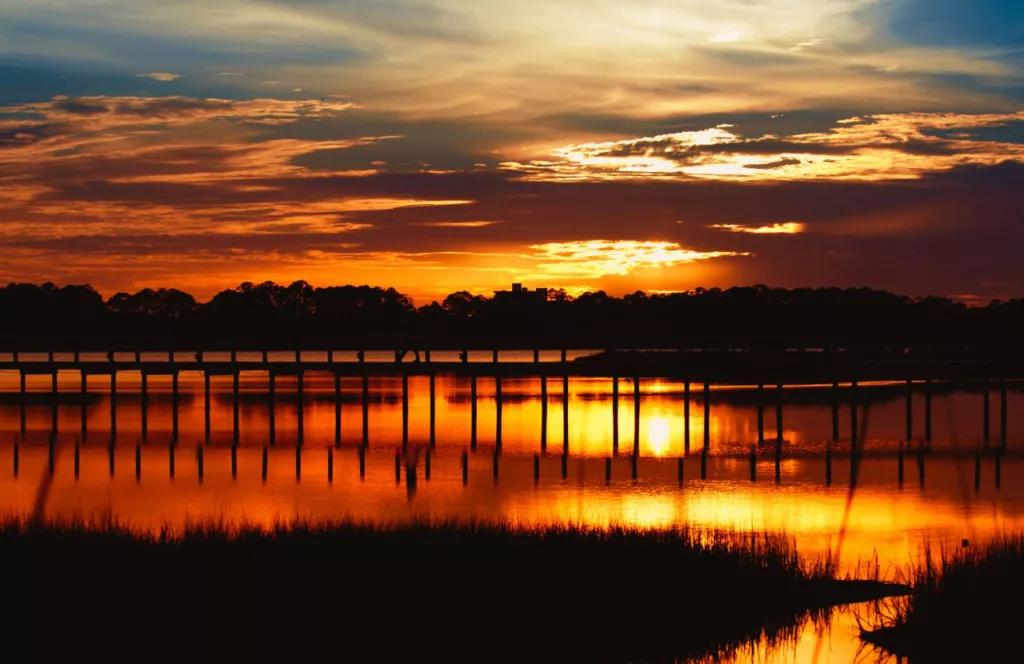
<point x="877" y="147"/>
<point x="598" y="258"/>
<point x="785" y="228"/>
<point x="454" y="224"/>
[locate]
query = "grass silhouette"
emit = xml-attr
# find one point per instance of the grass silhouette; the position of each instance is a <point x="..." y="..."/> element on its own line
<point x="962" y="607"/>
<point x="457" y="591"/>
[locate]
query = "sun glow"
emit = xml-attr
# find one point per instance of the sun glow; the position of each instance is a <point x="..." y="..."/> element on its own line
<point x="658" y="436"/>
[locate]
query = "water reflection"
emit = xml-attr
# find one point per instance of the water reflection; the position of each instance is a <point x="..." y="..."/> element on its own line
<point x="901" y="500"/>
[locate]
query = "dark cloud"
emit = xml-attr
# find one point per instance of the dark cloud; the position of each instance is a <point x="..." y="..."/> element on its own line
<point x="779" y="163"/>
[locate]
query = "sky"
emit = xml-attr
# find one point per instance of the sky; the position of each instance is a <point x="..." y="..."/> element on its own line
<point x="444" y="145"/>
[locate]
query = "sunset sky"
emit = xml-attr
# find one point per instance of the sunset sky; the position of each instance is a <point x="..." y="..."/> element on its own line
<point x="442" y="145"/>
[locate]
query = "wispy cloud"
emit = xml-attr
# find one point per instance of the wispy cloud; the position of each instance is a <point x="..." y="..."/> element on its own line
<point x="484" y="58"/>
<point x="807" y="44"/>
<point x="161" y="76"/>
<point x="454" y="224"/>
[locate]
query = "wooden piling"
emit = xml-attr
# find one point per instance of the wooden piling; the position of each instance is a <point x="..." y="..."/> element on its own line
<point x="686" y="417"/>
<point x="301" y="415"/>
<point x="680" y="471"/>
<point x="854" y="438"/>
<point x="543" y="414"/>
<point x="337" y="410"/>
<point x="272" y="410"/>
<point x="16" y="460"/>
<point x="928" y="411"/>
<point x="565" y="411"/>
<point x="472" y="413"/>
<point x="263" y="465"/>
<point x="900" y="463"/>
<point x="615" y="414"/>
<point x="999" y="470"/>
<point x="779" y="396"/>
<point x="426" y="465"/>
<point x="497" y="456"/>
<point x="704" y="465"/>
<point x="497" y="412"/>
<point x="634" y="465"/>
<point x="835" y="411"/>
<point x="138" y="462"/>
<point x="565" y="465"/>
<point x="405" y="411"/>
<point x="910" y="410"/>
<point x="398" y="468"/>
<point x="465" y="468"/>
<point x="433" y="410"/>
<point x="707" y="416"/>
<point x="199" y="462"/>
<point x="53" y="383"/>
<point x="170" y="461"/>
<point x="985" y="413"/>
<point x="920" y="466"/>
<point x="234" y="462"/>
<point x="778" y="462"/>
<point x="113" y="403"/>
<point x="298" y="462"/>
<point x="753" y="463"/>
<point x="366" y="409"/>
<point x="78" y="460"/>
<point x="536" y="468"/>
<point x="1002" y="415"/>
<point x="362" y="462"/>
<point x="608" y="470"/>
<point x="977" y="472"/>
<point x="51" y="456"/>
<point x="235" y="412"/>
<point x="175" y="398"/>
<point x="760" y="413"/>
<point x="330" y="464"/>
<point x="206" y="404"/>
<point x="636" y="415"/>
<point x="828" y="465"/>
<point x="110" y="457"/>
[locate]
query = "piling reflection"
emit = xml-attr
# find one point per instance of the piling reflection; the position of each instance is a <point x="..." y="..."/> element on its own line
<point x="525" y="450"/>
<point x="260" y="454"/>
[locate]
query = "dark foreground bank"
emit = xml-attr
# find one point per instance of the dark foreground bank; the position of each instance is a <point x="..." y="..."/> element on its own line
<point x="441" y="592"/>
<point x="964" y="608"/>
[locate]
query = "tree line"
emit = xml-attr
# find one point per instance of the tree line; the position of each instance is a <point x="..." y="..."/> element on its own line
<point x="269" y="315"/>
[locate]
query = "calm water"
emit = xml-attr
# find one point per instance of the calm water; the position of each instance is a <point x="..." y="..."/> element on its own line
<point x="938" y="501"/>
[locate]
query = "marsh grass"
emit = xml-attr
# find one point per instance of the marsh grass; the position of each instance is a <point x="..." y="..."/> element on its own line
<point x="452" y="590"/>
<point x="964" y="606"/>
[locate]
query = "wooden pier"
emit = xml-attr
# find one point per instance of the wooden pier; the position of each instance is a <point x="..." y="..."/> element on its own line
<point x="706" y="369"/>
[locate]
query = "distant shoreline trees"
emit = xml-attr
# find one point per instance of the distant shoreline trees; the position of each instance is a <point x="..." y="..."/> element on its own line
<point x="269" y="315"/>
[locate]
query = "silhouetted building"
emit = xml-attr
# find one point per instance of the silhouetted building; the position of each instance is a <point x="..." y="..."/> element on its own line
<point x="520" y="294"/>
